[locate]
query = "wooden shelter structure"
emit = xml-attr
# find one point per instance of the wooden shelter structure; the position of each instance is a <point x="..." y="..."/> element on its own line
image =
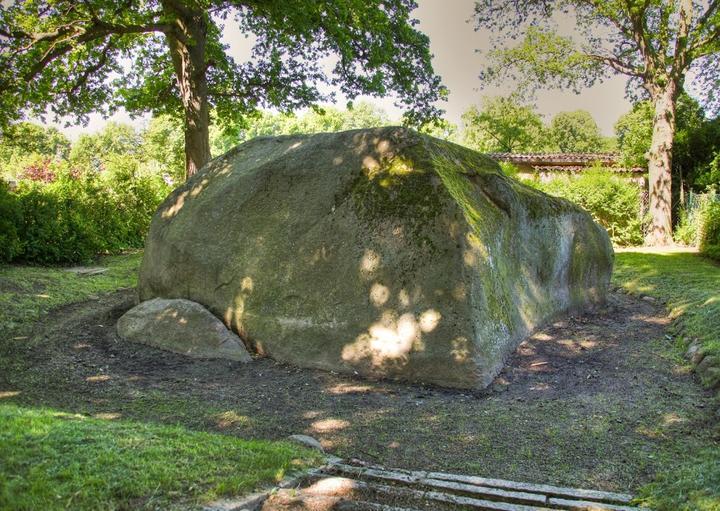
<point x="546" y="166"/>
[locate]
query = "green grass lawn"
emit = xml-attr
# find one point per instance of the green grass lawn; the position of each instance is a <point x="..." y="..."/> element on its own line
<point x="27" y="292"/>
<point x="50" y="459"/>
<point x="55" y="460"/>
<point x="690" y="286"/>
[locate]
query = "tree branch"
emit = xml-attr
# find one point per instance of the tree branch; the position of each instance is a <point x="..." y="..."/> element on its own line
<point x="681" y="39"/>
<point x="102" y="60"/>
<point x="99" y="30"/>
<point x="617" y="65"/>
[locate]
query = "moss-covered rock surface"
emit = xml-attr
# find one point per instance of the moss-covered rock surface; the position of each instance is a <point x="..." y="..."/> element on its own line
<point x="378" y="252"/>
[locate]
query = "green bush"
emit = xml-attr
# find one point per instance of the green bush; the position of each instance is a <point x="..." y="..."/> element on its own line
<point x="79" y="215"/>
<point x="690" y="218"/>
<point x="709" y="243"/>
<point x="10" y="217"/>
<point x="612" y="201"/>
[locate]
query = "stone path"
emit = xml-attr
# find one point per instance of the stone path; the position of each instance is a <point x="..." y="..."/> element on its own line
<point x="358" y="486"/>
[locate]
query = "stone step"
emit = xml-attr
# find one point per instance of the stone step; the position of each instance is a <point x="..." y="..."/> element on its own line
<point x="439" y="479"/>
<point x="358" y="486"/>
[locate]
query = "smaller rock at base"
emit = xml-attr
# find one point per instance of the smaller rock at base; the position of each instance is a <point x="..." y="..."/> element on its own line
<point x="694" y="352"/>
<point x="648" y="299"/>
<point x="307" y="441"/>
<point x="181" y="326"/>
<point x="86" y="271"/>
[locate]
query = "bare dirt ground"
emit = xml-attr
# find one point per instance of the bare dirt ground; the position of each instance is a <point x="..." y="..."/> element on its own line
<point x="590" y="401"/>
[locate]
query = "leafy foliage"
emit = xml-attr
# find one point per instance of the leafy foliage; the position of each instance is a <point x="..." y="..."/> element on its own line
<point x="503" y="125"/>
<point x="74" y="218"/>
<point x="576" y="132"/>
<point x="167" y="57"/>
<point x="696" y="144"/>
<point x="506" y="124"/>
<point x="612" y="201"/>
<point x="10" y="217"/>
<point x="654" y="44"/>
<point x="710" y="231"/>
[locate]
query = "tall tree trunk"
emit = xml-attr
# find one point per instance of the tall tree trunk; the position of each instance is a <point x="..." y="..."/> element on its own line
<point x="187" y="48"/>
<point x="659" y="167"/>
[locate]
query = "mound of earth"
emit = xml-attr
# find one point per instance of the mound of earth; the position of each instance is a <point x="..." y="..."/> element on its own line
<point x="379" y="252"/>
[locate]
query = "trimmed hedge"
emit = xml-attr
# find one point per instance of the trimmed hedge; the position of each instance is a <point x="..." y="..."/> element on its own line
<point x="613" y="202"/>
<point x="73" y="218"/>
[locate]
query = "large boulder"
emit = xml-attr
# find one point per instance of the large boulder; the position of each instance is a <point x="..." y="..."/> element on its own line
<point x="377" y="252"/>
<point x="181" y="326"/>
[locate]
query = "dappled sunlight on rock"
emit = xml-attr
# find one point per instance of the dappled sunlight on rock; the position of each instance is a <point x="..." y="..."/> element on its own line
<point x="460" y="349"/>
<point x="369" y="263"/>
<point x="174" y="209"/>
<point x="4" y="394"/>
<point x="81" y="346"/>
<point x="429" y="320"/>
<point x="311" y="414"/>
<point x="198" y="188"/>
<point x="390" y="339"/>
<point x="338" y="486"/>
<point x="379" y="294"/>
<point x="391" y="255"/>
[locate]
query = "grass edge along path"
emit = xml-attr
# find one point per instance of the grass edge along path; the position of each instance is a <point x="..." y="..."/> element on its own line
<point x="28" y="292"/>
<point x="690" y="287"/>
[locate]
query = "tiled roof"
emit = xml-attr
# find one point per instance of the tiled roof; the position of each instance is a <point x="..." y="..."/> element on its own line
<point x="580" y="168"/>
<point x="572" y="162"/>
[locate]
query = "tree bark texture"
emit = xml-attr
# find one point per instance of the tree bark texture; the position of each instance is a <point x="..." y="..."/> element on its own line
<point x="660" y="168"/>
<point x="187" y="44"/>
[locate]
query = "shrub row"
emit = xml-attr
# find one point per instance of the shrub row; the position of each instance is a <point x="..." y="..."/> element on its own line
<point x="612" y="201"/>
<point x="709" y="242"/>
<point x="73" y="218"/>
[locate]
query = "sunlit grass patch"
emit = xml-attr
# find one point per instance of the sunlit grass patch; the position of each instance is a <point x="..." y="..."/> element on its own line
<point x="55" y="460"/>
<point x="688" y="283"/>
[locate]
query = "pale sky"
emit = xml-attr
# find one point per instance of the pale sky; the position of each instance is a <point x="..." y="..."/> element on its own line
<point x="453" y="43"/>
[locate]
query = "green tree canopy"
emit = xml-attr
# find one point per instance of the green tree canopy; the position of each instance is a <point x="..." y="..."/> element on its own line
<point x="115" y="139"/>
<point x="26" y="137"/>
<point x="23" y="144"/>
<point x="696" y="143"/>
<point x="167" y="57"/>
<point x="162" y="144"/>
<point x="576" y="132"/>
<point x="655" y="44"/>
<point x="503" y="125"/>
